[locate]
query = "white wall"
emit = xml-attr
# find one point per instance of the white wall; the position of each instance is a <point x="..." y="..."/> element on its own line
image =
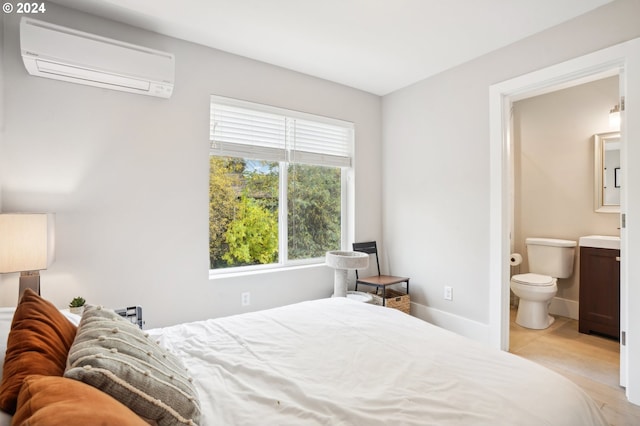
<point x="436" y="163"/>
<point x="127" y="176"/>
<point x="554" y="169"/>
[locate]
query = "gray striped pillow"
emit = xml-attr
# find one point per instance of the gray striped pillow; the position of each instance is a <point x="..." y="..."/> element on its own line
<point x="118" y="358"/>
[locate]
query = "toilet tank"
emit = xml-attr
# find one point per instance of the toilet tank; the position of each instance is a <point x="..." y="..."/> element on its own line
<point x="550" y="256"/>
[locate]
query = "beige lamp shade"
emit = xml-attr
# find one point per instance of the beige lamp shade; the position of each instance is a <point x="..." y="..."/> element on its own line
<point x="26" y="241"/>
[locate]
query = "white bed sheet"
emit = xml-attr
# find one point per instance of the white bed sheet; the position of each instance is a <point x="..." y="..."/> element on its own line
<point x="339" y="362"/>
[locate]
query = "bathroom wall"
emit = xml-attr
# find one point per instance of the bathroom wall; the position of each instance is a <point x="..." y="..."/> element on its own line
<point x="554" y="172"/>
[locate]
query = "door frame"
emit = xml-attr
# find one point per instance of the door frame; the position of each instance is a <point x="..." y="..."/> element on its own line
<point x="623" y="60"/>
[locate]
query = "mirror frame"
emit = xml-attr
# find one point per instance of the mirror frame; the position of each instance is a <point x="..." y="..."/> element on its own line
<point x="599" y="140"/>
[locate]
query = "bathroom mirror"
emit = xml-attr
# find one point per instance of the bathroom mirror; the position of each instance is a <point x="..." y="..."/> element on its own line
<point x="607" y="172"/>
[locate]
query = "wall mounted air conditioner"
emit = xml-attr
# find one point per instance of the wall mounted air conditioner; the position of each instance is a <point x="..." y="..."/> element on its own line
<point x="66" y="54"/>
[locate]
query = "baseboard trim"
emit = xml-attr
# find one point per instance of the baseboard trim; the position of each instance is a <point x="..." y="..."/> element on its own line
<point x="564" y="307"/>
<point x="479" y="331"/>
<point x="460" y="325"/>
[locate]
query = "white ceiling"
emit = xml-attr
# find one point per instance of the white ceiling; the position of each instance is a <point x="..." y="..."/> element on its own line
<point x="374" y="45"/>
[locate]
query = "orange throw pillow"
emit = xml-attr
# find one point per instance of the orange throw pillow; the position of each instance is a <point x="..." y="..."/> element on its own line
<point x="38" y="343"/>
<point x="58" y="401"/>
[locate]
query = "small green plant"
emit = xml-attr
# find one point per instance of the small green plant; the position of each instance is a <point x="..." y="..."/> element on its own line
<point x="77" y="302"/>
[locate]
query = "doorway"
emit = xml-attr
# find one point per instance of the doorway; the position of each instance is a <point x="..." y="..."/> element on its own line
<point x="554" y="175"/>
<point x="624" y="60"/>
<point x="553" y="179"/>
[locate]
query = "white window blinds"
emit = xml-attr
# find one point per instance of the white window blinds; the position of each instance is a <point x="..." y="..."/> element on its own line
<point x="249" y="130"/>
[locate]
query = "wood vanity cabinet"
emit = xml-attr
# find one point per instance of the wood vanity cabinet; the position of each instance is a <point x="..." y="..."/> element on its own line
<point x="600" y="291"/>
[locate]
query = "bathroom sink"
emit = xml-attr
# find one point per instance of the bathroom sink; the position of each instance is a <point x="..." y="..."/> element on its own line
<point x="600" y="241"/>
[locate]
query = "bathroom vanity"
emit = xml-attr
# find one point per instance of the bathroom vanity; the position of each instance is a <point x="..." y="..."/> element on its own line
<point x="600" y="285"/>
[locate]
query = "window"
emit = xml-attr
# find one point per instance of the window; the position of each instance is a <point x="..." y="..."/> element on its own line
<point x="277" y="185"/>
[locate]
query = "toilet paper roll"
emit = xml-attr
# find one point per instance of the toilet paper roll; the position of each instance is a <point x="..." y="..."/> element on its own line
<point x="515" y="259"/>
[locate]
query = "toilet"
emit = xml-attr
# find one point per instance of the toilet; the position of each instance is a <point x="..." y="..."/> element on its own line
<point x="549" y="259"/>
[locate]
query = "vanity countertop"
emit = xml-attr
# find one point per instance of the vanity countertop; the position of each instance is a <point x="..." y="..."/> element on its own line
<point x="600" y="241"/>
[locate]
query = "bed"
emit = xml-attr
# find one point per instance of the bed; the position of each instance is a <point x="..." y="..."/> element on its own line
<point x="340" y="362"/>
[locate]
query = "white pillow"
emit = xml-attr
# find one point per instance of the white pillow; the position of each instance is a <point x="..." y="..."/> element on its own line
<point x="6" y="317"/>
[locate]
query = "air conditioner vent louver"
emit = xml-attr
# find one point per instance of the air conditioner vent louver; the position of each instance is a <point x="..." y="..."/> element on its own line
<point x="61" y="53"/>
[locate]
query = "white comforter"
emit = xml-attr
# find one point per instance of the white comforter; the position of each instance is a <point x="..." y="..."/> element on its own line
<point x="339" y="362"/>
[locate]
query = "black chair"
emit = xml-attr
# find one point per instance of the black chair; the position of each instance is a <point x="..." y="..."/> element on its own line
<point x="378" y="281"/>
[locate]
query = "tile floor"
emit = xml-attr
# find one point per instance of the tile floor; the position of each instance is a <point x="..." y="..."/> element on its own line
<point x="590" y="361"/>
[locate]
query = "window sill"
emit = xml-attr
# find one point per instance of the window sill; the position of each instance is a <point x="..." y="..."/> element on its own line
<point x="217" y="275"/>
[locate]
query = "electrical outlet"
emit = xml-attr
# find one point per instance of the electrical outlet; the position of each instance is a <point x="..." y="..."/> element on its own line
<point x="448" y="293"/>
<point x="245" y="298"/>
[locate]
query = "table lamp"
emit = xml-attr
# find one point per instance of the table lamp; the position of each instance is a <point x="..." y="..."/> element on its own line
<point x="26" y="246"/>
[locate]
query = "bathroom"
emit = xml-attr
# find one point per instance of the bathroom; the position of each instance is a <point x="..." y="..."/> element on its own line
<point x="554" y="173"/>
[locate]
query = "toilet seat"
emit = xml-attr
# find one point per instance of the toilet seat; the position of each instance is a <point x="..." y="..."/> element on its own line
<point x="535" y="292"/>
<point x="532" y="279"/>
